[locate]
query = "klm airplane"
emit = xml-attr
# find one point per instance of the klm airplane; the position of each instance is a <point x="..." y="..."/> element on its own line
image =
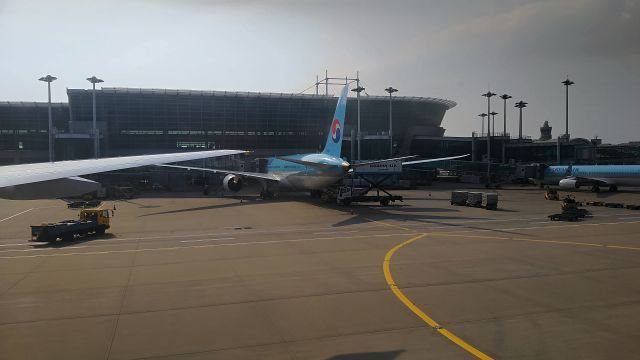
<point x="312" y="172"/>
<point x="576" y="176"/>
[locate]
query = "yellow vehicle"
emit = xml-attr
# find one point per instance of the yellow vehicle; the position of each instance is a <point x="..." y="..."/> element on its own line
<point x="91" y="221"/>
<point x="99" y="215"/>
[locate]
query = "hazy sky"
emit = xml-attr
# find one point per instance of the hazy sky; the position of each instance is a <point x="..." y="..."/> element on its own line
<point x="449" y="49"/>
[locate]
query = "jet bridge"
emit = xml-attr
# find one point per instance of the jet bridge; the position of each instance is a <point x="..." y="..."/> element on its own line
<point x="374" y="175"/>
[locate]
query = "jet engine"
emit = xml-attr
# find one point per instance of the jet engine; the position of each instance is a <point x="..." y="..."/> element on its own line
<point x="568" y="184"/>
<point x="232" y="183"/>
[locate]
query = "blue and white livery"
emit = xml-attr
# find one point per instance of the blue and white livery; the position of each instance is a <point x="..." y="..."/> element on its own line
<point x="576" y="176"/>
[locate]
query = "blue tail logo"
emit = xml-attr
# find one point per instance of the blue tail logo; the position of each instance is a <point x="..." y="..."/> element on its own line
<point x="333" y="146"/>
<point x="335" y="131"/>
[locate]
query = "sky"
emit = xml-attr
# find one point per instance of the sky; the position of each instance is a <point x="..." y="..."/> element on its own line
<point x="451" y="49"/>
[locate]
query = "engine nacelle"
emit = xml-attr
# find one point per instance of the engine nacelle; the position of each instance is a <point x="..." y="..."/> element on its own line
<point x="568" y="184"/>
<point x="232" y="183"/>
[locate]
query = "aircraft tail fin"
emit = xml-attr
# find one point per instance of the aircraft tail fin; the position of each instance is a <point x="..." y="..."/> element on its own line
<point x="333" y="146"/>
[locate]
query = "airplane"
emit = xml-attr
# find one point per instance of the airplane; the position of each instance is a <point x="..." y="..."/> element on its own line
<point x="572" y="177"/>
<point x="312" y="172"/>
<point x="62" y="178"/>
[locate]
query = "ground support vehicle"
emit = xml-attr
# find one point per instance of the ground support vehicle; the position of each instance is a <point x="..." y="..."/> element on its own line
<point x="570" y="210"/>
<point x="348" y="194"/>
<point x="91" y="221"/>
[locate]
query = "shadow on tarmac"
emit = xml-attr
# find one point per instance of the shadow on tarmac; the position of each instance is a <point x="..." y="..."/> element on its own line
<point x="81" y="240"/>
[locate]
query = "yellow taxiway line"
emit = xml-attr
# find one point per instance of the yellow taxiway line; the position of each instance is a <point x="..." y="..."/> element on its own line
<point x="416" y="310"/>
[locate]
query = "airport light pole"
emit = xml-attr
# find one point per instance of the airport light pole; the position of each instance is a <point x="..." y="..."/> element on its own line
<point x="505" y="97"/>
<point x="483" y="115"/>
<point x="493" y="122"/>
<point x="520" y="104"/>
<point x="390" y="90"/>
<point x="49" y="79"/>
<point x="96" y="140"/>
<point x="488" y="95"/>
<point x="567" y="83"/>
<point x="358" y="90"/>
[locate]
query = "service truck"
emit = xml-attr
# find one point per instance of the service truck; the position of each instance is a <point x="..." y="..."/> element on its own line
<point x="90" y="221"/>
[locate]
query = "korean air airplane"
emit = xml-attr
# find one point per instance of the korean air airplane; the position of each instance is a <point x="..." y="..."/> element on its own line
<point x="595" y="176"/>
<point x="312" y="172"/>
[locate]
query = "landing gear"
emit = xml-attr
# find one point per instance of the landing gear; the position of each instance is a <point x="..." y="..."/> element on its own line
<point x="316" y="194"/>
<point x="595" y="188"/>
<point x="613" y="188"/>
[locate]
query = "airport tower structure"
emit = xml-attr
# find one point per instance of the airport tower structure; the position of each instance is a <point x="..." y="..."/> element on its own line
<point x="545" y="131"/>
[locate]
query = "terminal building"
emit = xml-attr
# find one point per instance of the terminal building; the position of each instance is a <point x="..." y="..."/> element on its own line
<point x="143" y="121"/>
<point x="135" y="121"/>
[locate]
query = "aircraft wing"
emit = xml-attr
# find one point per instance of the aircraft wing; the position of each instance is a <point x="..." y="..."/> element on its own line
<point x="13" y="175"/>
<point x="264" y="176"/>
<point x="433" y="160"/>
<point x="365" y="163"/>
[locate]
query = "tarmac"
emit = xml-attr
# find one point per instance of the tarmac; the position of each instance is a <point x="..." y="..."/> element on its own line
<point x="295" y="278"/>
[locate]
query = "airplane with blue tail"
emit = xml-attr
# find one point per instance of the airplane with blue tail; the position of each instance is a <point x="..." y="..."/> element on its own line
<point x="312" y="172"/>
<point x="571" y="177"/>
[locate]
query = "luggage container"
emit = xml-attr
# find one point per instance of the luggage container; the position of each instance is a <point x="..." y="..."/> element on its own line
<point x="490" y="201"/>
<point x="474" y="199"/>
<point x="459" y="197"/>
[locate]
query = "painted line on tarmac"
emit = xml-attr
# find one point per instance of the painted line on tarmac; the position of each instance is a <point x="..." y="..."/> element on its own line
<point x="334" y="232"/>
<point x="416" y="310"/>
<point x="93" y="246"/>
<point x="559" y="242"/>
<point x="202" y="240"/>
<point x="457" y="223"/>
<point x="169" y="237"/>
<point x="390" y="225"/>
<point x="548" y="227"/>
<point x="14" y="215"/>
<point x="267" y="242"/>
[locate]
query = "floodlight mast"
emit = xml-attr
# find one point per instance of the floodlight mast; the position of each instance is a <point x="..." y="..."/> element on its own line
<point x="488" y="95"/>
<point x="96" y="140"/>
<point x="493" y="122"/>
<point x="567" y="83"/>
<point x="520" y="105"/>
<point x="49" y="79"/>
<point x="358" y="90"/>
<point x="390" y="90"/>
<point x="483" y="115"/>
<point x="505" y="97"/>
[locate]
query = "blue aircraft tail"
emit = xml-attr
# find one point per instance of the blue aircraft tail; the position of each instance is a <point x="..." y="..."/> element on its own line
<point x="333" y="146"/>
